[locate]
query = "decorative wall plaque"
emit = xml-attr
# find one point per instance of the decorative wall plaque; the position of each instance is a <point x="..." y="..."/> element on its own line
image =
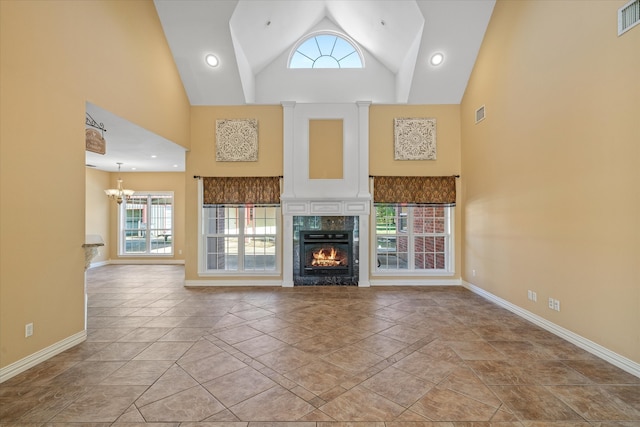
<point x="94" y="142"/>
<point x="415" y="139"/>
<point x="237" y="140"/>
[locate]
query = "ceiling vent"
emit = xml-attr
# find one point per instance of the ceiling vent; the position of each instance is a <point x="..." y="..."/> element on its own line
<point x="628" y="16"/>
<point x="480" y="114"/>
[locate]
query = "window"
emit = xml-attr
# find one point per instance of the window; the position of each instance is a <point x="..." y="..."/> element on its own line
<point x="326" y="50"/>
<point x="414" y="239"/>
<point x="146" y="225"/>
<point x="240" y="238"/>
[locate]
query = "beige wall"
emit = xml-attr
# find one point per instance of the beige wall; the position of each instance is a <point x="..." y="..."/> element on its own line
<point x="158" y="181"/>
<point x="550" y="177"/>
<point x="201" y="161"/>
<point x="381" y="161"/>
<point x="54" y="57"/>
<point x="97" y="210"/>
<point x="326" y="149"/>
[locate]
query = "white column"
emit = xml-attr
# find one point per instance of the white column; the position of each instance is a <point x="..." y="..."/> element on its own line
<point x="287" y="193"/>
<point x="363" y="191"/>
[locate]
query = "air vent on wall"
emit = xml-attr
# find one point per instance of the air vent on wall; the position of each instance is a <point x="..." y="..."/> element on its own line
<point x="480" y="114"/>
<point x="628" y="16"/>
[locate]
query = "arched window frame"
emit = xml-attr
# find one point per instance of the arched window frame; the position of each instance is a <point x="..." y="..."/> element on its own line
<point x="343" y="36"/>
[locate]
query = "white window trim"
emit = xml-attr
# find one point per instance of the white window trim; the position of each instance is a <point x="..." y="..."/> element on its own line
<point x="121" y="225"/>
<point x="202" y="247"/>
<point x="449" y="254"/>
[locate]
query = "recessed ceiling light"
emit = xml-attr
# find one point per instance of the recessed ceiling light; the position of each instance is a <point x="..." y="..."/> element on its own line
<point x="153" y="156"/>
<point x="211" y="60"/>
<point x="437" y="59"/>
<point x="175" y="166"/>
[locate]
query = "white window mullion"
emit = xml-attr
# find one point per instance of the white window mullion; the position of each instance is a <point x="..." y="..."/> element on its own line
<point x="240" y="223"/>
<point x="411" y="241"/>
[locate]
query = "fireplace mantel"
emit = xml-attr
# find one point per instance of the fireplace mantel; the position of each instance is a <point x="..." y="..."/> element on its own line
<point x="343" y="207"/>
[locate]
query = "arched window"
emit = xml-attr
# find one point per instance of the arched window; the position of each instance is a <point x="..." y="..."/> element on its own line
<point x="326" y="50"/>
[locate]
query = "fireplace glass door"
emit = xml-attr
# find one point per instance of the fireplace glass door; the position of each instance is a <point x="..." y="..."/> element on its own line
<point x="326" y="253"/>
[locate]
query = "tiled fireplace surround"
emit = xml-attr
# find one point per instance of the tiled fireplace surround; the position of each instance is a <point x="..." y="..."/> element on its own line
<point x="326" y="203"/>
<point x="325" y="223"/>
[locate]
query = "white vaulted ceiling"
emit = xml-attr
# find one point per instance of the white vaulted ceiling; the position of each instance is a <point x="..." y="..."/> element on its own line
<point x="253" y="40"/>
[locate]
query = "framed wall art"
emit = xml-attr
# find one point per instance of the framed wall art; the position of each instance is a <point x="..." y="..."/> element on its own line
<point x="414" y="139"/>
<point x="237" y="140"/>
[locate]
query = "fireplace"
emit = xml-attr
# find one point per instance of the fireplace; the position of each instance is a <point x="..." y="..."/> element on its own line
<point x="326" y="253"/>
<point x="325" y="201"/>
<point x="326" y="250"/>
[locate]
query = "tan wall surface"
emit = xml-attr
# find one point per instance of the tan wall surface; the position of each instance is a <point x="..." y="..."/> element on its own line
<point x="54" y="57"/>
<point x="326" y="149"/>
<point x="381" y="158"/>
<point x="97" y="206"/>
<point x="201" y="161"/>
<point x="550" y="176"/>
<point x="151" y="181"/>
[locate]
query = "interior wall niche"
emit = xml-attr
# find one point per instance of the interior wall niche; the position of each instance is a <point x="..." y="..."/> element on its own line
<point x="326" y="149"/>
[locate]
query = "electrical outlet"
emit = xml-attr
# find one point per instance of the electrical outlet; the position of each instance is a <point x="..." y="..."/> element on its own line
<point x="473" y="273"/>
<point x="530" y="295"/>
<point x="28" y="330"/>
<point x="535" y="296"/>
<point x="551" y="303"/>
<point x="556" y="305"/>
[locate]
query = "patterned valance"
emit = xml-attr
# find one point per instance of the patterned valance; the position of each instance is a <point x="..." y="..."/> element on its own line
<point x="440" y="190"/>
<point x="241" y="190"/>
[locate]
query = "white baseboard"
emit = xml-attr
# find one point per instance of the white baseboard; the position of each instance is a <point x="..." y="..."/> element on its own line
<point x="596" y="349"/>
<point x="151" y="261"/>
<point x="32" y="360"/>
<point x="231" y="282"/>
<point x="414" y="282"/>
<point x="98" y="264"/>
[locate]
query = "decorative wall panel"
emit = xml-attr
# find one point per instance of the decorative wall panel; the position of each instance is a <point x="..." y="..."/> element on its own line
<point x="415" y="139"/>
<point x="237" y="140"/>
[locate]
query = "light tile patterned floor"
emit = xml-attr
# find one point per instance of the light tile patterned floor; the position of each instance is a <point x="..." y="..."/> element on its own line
<point x="395" y="356"/>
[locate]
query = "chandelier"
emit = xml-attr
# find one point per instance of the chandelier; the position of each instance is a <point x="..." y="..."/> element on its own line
<point x="119" y="194"/>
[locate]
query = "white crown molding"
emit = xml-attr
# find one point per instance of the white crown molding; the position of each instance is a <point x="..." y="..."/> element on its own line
<point x="32" y="360"/>
<point x="596" y="349"/>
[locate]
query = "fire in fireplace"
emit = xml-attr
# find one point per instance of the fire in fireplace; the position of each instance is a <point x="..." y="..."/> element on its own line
<point x="327" y="253"/>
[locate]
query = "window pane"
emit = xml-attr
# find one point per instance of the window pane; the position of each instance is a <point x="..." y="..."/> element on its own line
<point x="260" y="253"/>
<point x="309" y="48"/>
<point x="351" y="61"/>
<point x="412" y="238"/>
<point x="246" y="241"/>
<point x="325" y="51"/>
<point x="300" y="61"/>
<point x="147" y="224"/>
<point x="326" y="43"/>
<point x="135" y="241"/>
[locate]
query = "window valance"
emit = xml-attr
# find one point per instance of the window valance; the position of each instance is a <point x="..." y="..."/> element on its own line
<point x="438" y="190"/>
<point x="256" y="190"/>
